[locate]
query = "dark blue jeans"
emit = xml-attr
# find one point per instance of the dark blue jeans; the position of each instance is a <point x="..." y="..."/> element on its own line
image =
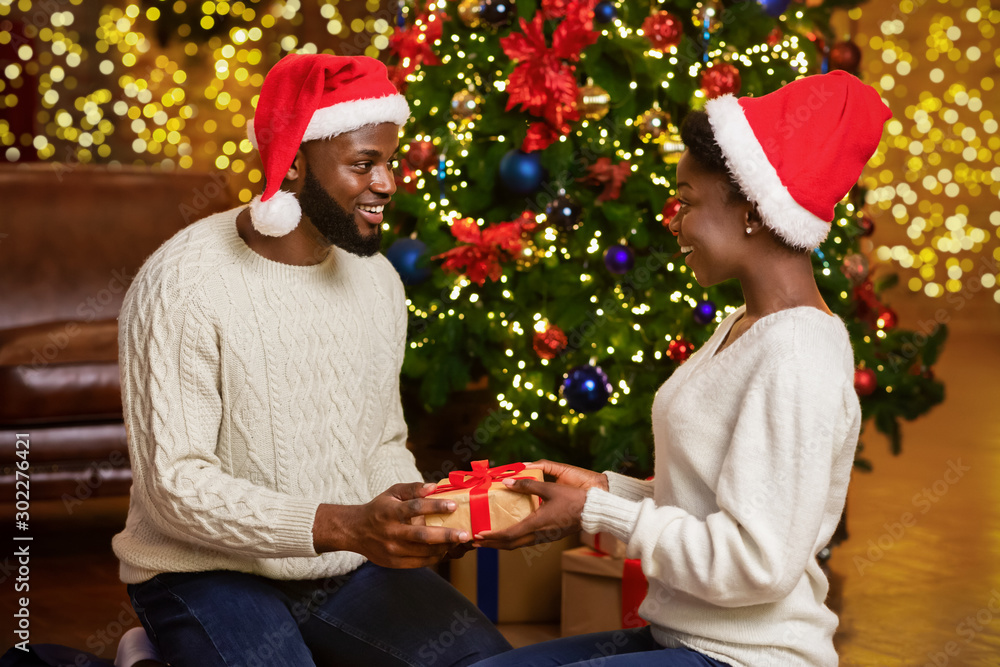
<point x="374" y="616"/>
<point x="634" y="647"/>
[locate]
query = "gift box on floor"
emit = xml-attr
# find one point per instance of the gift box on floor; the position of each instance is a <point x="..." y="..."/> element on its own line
<point x="600" y="592"/>
<point x="605" y="543"/>
<point x="484" y="502"/>
<point x="519" y="586"/>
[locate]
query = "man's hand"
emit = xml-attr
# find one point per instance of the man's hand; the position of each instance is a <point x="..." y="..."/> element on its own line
<point x="381" y="530"/>
<point x="558" y="516"/>
<point x="581" y="478"/>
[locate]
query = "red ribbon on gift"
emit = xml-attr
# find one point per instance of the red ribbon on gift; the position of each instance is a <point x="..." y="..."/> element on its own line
<point x="478" y="481"/>
<point x="634" y="589"/>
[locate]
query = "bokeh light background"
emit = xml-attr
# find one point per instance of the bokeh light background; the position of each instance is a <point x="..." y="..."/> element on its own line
<point x="170" y="85"/>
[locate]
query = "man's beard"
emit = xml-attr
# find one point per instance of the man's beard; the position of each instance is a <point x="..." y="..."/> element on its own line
<point x="336" y="224"/>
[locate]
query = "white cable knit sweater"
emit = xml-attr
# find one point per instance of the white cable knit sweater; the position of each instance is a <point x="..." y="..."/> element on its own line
<point x="754" y="449"/>
<point x="253" y="391"/>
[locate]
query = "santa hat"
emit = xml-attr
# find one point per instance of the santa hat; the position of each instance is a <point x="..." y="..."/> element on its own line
<point x="797" y="151"/>
<point x="307" y="97"/>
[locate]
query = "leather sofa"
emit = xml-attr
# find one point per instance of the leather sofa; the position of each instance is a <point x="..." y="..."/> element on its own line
<point x="72" y="238"/>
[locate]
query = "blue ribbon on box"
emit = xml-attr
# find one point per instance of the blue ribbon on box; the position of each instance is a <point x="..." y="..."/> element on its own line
<point x="488" y="582"/>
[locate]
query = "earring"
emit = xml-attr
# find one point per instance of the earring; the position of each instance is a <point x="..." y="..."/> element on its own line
<point x="749" y="230"/>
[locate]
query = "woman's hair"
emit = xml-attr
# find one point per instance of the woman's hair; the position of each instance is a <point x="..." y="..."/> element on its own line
<point x="699" y="139"/>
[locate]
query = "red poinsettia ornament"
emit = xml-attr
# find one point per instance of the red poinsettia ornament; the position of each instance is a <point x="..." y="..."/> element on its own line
<point x="611" y="176"/>
<point x="486" y="248"/>
<point x="415" y="45"/>
<point x="543" y="82"/>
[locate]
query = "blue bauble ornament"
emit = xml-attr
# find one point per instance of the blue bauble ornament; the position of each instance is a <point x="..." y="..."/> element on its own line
<point x="497" y="13"/>
<point x="704" y="312"/>
<point x="521" y="172"/>
<point x="619" y="259"/>
<point x="605" y="11"/>
<point x="775" y="8"/>
<point x="407" y="256"/>
<point x="586" y="388"/>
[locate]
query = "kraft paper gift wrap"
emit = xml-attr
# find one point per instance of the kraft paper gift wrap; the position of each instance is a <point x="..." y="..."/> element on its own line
<point x="600" y="592"/>
<point x="604" y="543"/>
<point x="484" y="502"/>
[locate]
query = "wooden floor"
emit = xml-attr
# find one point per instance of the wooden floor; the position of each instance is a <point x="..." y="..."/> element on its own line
<point x="917" y="583"/>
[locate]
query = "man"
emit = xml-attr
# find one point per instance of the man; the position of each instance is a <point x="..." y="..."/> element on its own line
<point x="260" y="356"/>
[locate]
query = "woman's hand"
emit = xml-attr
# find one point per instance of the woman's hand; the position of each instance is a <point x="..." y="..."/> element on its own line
<point x="559" y="514"/>
<point x="569" y="475"/>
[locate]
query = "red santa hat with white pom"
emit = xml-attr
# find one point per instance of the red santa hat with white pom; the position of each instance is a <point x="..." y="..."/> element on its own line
<point x="797" y="151"/>
<point x="307" y="97"/>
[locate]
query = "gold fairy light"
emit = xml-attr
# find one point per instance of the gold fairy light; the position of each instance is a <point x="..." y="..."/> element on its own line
<point x="940" y="155"/>
<point x="142" y="104"/>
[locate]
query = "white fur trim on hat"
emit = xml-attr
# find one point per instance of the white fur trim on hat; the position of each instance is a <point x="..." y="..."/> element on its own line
<point x="277" y="216"/>
<point x="347" y="116"/>
<point x="759" y="180"/>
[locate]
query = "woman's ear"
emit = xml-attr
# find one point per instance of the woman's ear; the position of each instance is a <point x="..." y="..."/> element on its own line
<point x="754" y="221"/>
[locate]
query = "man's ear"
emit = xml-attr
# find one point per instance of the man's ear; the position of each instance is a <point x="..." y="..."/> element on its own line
<point x="295" y="176"/>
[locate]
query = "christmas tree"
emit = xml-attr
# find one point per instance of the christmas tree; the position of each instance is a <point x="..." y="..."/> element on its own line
<point x="534" y="192"/>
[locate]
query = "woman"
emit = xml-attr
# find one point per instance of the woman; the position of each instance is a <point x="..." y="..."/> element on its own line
<point x="755" y="434"/>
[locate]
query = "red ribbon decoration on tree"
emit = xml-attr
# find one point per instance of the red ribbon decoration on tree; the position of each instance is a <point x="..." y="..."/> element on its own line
<point x="611" y="176"/>
<point x="478" y="481"/>
<point x="481" y="258"/>
<point x="543" y="82"/>
<point x="415" y="45"/>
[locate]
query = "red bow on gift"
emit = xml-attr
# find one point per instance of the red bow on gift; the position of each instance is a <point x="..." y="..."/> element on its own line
<point x="611" y="176"/>
<point x="478" y="481"/>
<point x="543" y="82"/>
<point x="481" y="259"/>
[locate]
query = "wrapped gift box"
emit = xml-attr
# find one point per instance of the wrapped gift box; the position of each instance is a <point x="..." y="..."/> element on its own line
<point x="600" y="592"/>
<point x="506" y="507"/>
<point x="519" y="586"/>
<point x="605" y="543"/>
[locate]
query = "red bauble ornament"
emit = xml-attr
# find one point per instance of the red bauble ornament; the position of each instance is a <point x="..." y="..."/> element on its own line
<point x="670" y="210"/>
<point x="855" y="267"/>
<point x="679" y="350"/>
<point x="774" y="38"/>
<point x="720" y="78"/>
<point x="422" y="154"/>
<point x="549" y="343"/>
<point x="866" y="224"/>
<point x="864" y="381"/>
<point x="663" y="30"/>
<point x="886" y="318"/>
<point x="846" y="56"/>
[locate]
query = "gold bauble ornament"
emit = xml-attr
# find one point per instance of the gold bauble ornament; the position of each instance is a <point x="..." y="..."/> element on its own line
<point x="654" y="125"/>
<point x="670" y="146"/>
<point x="469" y="11"/>
<point x="593" y="102"/>
<point x="708" y="13"/>
<point x="529" y="255"/>
<point x="465" y="105"/>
